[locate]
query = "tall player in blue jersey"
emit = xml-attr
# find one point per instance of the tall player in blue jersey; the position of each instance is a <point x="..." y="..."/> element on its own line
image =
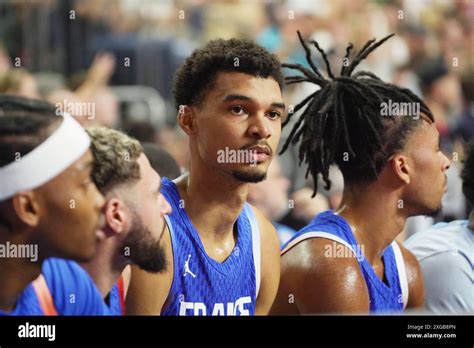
<point x="49" y="209"/>
<point x="347" y="260"/>
<point x="223" y="253"/>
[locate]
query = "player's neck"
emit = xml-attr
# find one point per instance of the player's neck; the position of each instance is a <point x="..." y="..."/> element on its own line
<point x="15" y="274"/>
<point x="213" y="200"/>
<point x="106" y="268"/>
<point x="375" y="218"/>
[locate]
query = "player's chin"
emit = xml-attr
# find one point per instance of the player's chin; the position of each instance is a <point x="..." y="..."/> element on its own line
<point x="435" y="209"/>
<point x="250" y="174"/>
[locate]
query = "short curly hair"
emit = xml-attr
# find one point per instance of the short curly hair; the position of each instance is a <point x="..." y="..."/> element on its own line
<point x="115" y="158"/>
<point x="197" y="75"/>
<point x="467" y="174"/>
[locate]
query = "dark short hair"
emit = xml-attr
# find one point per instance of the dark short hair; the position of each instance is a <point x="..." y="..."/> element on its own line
<point x="197" y="75"/>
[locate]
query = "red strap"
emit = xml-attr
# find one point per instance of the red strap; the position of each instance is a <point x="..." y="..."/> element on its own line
<point x="121" y="294"/>
<point x="44" y="296"/>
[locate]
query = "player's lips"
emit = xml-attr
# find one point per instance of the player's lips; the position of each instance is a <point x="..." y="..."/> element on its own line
<point x="261" y="150"/>
<point x="260" y="153"/>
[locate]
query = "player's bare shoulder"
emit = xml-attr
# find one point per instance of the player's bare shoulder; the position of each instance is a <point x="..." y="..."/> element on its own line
<point x="319" y="275"/>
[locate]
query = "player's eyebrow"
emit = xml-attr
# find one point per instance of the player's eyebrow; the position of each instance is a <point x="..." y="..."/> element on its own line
<point x="236" y="97"/>
<point x="233" y="97"/>
<point x="278" y="105"/>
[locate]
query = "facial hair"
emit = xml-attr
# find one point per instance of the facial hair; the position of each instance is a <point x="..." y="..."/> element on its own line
<point x="145" y="251"/>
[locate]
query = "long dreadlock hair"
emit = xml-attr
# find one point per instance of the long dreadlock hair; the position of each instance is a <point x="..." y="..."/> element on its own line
<point x="342" y="122"/>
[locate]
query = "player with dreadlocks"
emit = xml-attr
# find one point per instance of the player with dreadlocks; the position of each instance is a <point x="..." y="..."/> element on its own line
<point x="384" y="141"/>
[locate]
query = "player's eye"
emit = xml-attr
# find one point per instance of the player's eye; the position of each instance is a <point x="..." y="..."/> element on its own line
<point x="274" y="115"/>
<point x="238" y="110"/>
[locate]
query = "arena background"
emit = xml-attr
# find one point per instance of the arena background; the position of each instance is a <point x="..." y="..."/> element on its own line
<point x="113" y="62"/>
<point x="118" y="58"/>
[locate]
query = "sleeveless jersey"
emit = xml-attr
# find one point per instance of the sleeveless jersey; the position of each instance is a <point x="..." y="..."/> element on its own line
<point x="63" y="288"/>
<point x="390" y="296"/>
<point x="201" y="285"/>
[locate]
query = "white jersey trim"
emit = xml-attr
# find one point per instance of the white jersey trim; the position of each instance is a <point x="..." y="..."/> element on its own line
<point x="401" y="272"/>
<point x="255" y="246"/>
<point x="316" y="234"/>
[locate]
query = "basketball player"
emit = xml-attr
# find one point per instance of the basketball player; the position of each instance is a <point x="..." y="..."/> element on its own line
<point x="224" y="254"/>
<point x="347" y="260"/>
<point x="49" y="207"/>
<point x="133" y="212"/>
<point x="446" y="255"/>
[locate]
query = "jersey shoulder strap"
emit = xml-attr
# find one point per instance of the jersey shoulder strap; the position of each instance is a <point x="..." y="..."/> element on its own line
<point x="44" y="296"/>
<point x="401" y="272"/>
<point x="255" y="244"/>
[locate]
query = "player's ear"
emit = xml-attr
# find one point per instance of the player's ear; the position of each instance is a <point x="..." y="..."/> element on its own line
<point x="27" y="208"/>
<point x="402" y="167"/>
<point x="186" y="119"/>
<point x="115" y="215"/>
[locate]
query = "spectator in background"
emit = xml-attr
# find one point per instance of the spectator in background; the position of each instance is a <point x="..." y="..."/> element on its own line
<point x="143" y="131"/>
<point x="106" y="107"/>
<point x="304" y="207"/>
<point x="442" y="94"/>
<point x="161" y="161"/>
<point x="19" y="82"/>
<point x="176" y="143"/>
<point x="89" y="98"/>
<point x="446" y="256"/>
<point x="5" y="63"/>
<point x="464" y="128"/>
<point x="271" y="197"/>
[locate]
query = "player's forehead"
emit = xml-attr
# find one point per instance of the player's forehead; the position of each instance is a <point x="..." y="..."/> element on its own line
<point x="256" y="88"/>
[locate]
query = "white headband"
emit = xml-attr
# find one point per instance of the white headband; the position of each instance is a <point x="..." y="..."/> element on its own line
<point x="61" y="149"/>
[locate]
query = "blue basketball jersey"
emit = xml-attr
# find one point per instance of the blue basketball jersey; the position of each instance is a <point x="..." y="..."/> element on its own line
<point x="114" y="301"/>
<point x="201" y="285"/>
<point x="72" y="290"/>
<point x="385" y="297"/>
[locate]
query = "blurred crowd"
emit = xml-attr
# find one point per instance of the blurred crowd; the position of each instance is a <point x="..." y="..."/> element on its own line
<point x="114" y="60"/>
